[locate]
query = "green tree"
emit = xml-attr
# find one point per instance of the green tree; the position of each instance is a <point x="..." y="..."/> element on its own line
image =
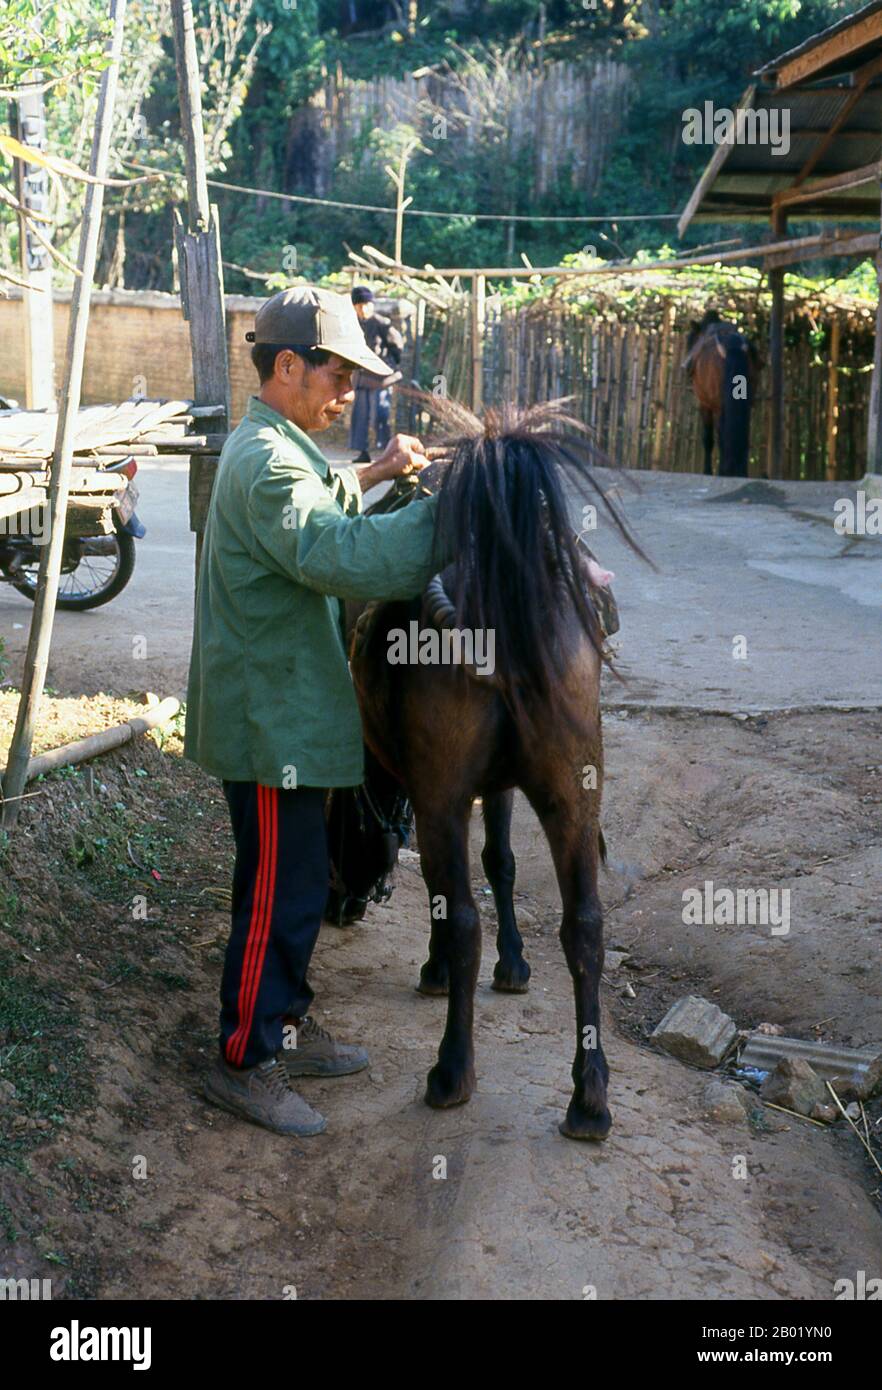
<point x="64" y="39"/>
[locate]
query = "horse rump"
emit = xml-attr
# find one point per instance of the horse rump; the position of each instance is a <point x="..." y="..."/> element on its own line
<point x="735" y="407"/>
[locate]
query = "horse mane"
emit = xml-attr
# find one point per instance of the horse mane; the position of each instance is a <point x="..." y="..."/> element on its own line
<point x="503" y="514"/>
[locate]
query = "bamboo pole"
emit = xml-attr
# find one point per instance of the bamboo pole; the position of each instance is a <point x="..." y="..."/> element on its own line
<point x="199" y="264"/>
<point x="40" y="635"/>
<point x="644" y="411"/>
<point x="662" y="389"/>
<point x="632" y="347"/>
<point x="479" y="285"/>
<point x="776" y="358"/>
<point x="190" y="98"/>
<point x="784" y="251"/>
<point x="833" y="400"/>
<point x="103" y="742"/>
<point x="874" y="414"/>
<point x="29" y="123"/>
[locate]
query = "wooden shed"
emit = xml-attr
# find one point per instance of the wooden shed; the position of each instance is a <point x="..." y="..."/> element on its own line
<point x="827" y="95"/>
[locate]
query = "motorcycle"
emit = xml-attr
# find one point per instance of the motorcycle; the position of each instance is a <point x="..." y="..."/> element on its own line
<point x="99" y="553"/>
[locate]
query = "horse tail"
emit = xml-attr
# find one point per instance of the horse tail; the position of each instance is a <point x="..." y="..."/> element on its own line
<point x="735" y="408"/>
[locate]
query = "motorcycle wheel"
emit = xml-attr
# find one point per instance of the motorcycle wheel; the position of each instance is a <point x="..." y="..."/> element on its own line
<point x="89" y="585"/>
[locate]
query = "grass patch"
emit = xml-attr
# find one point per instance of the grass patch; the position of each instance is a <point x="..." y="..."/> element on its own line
<point x="10" y="906"/>
<point x="115" y="846"/>
<point x="7" y="1224"/>
<point x="173" y="981"/>
<point x="41" y="1056"/>
<point x="10" y="902"/>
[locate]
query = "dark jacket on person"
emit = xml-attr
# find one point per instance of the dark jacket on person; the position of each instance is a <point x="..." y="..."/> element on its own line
<point x="383" y="338"/>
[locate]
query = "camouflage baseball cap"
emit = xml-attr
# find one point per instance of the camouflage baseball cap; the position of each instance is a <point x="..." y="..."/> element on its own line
<point x="304" y="316"/>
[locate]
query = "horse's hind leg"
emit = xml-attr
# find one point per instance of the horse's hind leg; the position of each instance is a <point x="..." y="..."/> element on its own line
<point x="511" y="972"/>
<point x="574" y="842"/>
<point x="707" y="439"/>
<point x="443" y="841"/>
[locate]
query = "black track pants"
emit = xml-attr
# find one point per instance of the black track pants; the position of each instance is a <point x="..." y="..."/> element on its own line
<point x="280" y="886"/>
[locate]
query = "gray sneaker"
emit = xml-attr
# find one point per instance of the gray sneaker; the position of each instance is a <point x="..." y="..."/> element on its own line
<point x="317" y="1054"/>
<point x="264" y="1095"/>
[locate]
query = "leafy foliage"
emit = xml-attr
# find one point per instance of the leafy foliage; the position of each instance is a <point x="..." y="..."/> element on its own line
<point x="679" y="53"/>
<point x="62" y="38"/>
<point x="694" y="52"/>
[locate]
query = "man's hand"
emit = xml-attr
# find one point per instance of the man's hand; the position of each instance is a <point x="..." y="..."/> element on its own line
<point x="403" y="454"/>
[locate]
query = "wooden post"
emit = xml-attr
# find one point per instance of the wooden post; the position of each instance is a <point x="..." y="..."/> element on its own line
<point x="199" y="265"/>
<point x="833" y="400"/>
<point x="32" y="186"/>
<point x="419" y="329"/>
<point x="40" y="635"/>
<point x="874" y="433"/>
<point x="479" y="286"/>
<point x="539" y="107"/>
<point x="776" y="356"/>
<point x="661" y="394"/>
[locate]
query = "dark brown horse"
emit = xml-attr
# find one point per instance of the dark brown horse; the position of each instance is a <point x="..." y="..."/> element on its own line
<point x="453" y="732"/>
<point x="723" y="366"/>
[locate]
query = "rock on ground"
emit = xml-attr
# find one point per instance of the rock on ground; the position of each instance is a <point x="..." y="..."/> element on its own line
<point x="795" y="1085"/>
<point x="696" y="1031"/>
<point x="727" y="1102"/>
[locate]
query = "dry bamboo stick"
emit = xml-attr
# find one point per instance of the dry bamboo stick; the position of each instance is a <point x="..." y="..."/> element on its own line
<point x="846" y="1116"/>
<point x="820" y="244"/>
<point x="124" y="451"/>
<point x="833" y="400"/>
<point x="40" y="636"/>
<point x="104" y="742"/>
<point x="662" y="389"/>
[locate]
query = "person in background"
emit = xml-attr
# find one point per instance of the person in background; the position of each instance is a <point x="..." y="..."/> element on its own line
<point x="373" y="395"/>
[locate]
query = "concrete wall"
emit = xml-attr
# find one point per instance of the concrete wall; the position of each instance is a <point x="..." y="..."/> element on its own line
<point x="138" y="344"/>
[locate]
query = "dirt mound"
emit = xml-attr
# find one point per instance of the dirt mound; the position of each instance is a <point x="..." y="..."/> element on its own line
<point x="119" y="1181"/>
<point x="758" y="491"/>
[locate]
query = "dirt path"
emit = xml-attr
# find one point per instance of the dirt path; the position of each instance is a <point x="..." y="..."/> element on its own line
<point x="226" y="1210"/>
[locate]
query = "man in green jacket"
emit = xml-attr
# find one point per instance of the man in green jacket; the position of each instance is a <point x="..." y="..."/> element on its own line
<point x="271" y="709"/>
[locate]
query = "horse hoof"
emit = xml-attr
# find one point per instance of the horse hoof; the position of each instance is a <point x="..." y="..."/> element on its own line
<point x="432" y="986"/>
<point x="513" y="979"/>
<point x="582" y="1124"/>
<point x="445" y="1088"/>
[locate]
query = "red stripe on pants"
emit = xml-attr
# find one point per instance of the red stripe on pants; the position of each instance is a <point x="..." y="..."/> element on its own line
<point x="261" y="919"/>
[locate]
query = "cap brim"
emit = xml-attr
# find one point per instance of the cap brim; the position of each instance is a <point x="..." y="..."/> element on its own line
<point x="360" y="357"/>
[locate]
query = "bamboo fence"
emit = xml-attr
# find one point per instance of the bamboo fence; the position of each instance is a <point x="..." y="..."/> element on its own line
<point x="625" y="372"/>
<point x="628" y="383"/>
<point x="567" y="115"/>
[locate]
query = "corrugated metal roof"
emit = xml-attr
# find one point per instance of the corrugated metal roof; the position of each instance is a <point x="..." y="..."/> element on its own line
<point x="740" y="180"/>
<point x="817" y="39"/>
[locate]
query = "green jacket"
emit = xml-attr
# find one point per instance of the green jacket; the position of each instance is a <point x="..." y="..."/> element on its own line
<point x="270" y="697"/>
